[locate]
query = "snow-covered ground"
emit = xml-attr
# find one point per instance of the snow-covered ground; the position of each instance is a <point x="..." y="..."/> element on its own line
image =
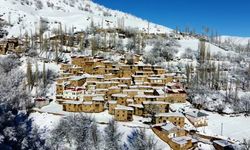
<point x="236" y="39"/>
<point x="46" y="121"/>
<point x="236" y="127"/>
<point x="194" y="45"/>
<point x="25" y="16"/>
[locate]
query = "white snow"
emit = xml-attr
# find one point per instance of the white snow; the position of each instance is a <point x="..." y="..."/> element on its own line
<point x="79" y="16"/>
<point x="233" y="127"/>
<point x="235" y="39"/>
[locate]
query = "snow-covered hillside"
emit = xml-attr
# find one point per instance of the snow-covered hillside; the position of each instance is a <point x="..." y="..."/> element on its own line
<point x="24" y="15"/>
<point x="236" y="39"/>
<point x="194" y="45"/>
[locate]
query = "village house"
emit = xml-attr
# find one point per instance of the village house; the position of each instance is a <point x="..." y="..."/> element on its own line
<point x="62" y="79"/>
<point x="176" y="118"/>
<point x="223" y="145"/>
<point x="41" y="102"/>
<point x="126" y="81"/>
<point x="77" y="71"/>
<point x="158" y="70"/>
<point x="71" y="106"/>
<point x="112" y="90"/>
<point x="12" y="44"/>
<point x="73" y="93"/>
<point x="98" y="103"/>
<point x="139" y="79"/>
<point x="125" y="71"/>
<point x="101" y="91"/>
<point x="197" y="118"/>
<point x="123" y="113"/>
<point x="184" y="143"/>
<point x="65" y="67"/>
<point x="175" y="93"/>
<point x="99" y="70"/>
<point x="176" y="137"/>
<point x="60" y="88"/>
<point x="156" y="81"/>
<point x="139" y="99"/>
<point x="77" y="81"/>
<point x="160" y="106"/>
<point x="132" y="92"/>
<point x="120" y="98"/>
<point x="65" y="76"/>
<point x="80" y="60"/>
<point x="138" y="109"/>
<point x="111" y="107"/>
<point x="106" y="84"/>
<point x="169" y="77"/>
<point x="3" y="48"/>
<point x="95" y="106"/>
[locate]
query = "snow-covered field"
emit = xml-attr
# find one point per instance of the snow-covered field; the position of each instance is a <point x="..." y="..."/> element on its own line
<point x="46" y="121"/>
<point x="237" y="127"/>
<point x="234" y="127"/>
<point x="194" y="45"/>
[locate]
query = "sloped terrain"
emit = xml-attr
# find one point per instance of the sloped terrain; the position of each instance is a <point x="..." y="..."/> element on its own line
<point x="24" y="16"/>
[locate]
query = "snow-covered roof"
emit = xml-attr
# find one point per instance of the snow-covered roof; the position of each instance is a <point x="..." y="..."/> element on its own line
<point x="119" y="95"/>
<point x="147" y="96"/>
<point x="196" y="113"/>
<point x="76" y="78"/>
<point x="222" y="143"/>
<point x="154" y="102"/>
<point x="114" y="87"/>
<point x="122" y="85"/>
<point x="160" y="91"/>
<point x="155" y="78"/>
<point x="136" y="105"/>
<point x="130" y="100"/>
<point x="72" y="102"/>
<point x="181" y="140"/>
<point x="121" y="107"/>
<point x="98" y="98"/>
<point x="112" y="102"/>
<point x="121" y="79"/>
<point x="168" y="126"/>
<point x="87" y="103"/>
<point x="131" y="90"/>
<point x="169" y="115"/>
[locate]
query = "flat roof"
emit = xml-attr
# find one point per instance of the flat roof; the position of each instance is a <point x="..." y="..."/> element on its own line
<point x="121" y="107"/>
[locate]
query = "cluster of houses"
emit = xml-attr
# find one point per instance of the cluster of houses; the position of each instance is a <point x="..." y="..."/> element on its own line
<point x="126" y="88"/>
<point x="10" y="45"/>
<point x="170" y="128"/>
